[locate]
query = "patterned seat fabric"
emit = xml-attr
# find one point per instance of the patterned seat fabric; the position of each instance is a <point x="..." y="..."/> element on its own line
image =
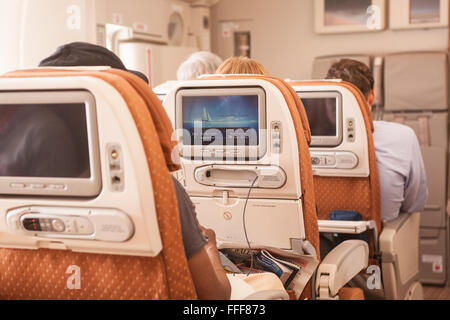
<point x="41" y="274"/>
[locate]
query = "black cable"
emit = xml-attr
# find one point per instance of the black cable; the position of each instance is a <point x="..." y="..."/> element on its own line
<point x="245" y="228"/>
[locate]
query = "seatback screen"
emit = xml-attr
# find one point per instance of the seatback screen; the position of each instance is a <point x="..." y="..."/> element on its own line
<point x="322" y="116"/>
<point x="221" y="120"/>
<point x="346" y="12"/>
<point x="425" y="11"/>
<point x="44" y="140"/>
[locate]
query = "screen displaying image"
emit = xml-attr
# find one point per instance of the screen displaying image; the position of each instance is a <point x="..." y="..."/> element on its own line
<point x="346" y="12"/>
<point x="322" y="116"/>
<point x="425" y="11"/>
<point x="48" y="141"/>
<point x="221" y="120"/>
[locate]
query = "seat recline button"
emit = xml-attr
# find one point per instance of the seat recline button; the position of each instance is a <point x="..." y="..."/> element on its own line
<point x="58" y="225"/>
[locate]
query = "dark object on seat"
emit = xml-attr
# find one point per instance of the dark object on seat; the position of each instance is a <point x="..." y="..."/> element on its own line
<point x="86" y="54"/>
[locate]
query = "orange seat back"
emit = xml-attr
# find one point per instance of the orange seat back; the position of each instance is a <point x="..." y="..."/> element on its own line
<point x="41" y="274"/>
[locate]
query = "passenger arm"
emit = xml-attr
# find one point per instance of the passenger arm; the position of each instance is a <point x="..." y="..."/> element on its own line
<point x="210" y="279"/>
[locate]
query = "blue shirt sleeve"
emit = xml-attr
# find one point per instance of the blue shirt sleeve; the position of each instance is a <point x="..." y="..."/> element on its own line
<point x="416" y="191"/>
<point x="403" y="182"/>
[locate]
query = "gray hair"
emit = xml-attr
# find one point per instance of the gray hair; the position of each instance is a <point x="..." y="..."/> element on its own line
<point x="199" y="63"/>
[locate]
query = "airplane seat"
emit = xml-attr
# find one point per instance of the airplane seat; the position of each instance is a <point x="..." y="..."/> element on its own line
<point x="342" y="262"/>
<point x="274" y="183"/>
<point x="339" y="176"/>
<point x="114" y="234"/>
<point x="416" y="95"/>
<point x="352" y="185"/>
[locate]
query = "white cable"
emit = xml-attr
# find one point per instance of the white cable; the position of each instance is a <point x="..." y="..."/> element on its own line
<point x="245" y="228"/>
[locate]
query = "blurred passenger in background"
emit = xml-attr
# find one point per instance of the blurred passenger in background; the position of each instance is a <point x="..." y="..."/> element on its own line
<point x="241" y="65"/>
<point x="198" y="64"/>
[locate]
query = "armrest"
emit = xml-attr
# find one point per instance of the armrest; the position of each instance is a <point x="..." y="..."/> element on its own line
<point x="341" y="265"/>
<point x="392" y="228"/>
<point x="397" y="223"/>
<point x="399" y="245"/>
<point x="258" y="286"/>
<point x="349" y="227"/>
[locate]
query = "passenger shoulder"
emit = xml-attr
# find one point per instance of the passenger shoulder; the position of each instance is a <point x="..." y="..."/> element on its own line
<point x="400" y="130"/>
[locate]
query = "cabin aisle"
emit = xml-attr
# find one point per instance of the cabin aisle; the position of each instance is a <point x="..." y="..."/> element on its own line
<point x="436" y="293"/>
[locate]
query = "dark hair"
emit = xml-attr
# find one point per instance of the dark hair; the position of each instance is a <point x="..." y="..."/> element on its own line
<point x="86" y="54"/>
<point x="354" y="72"/>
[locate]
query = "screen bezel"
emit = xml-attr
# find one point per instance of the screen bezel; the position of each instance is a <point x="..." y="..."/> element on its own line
<point x="422" y="22"/>
<point x="327" y="141"/>
<point x="71" y="187"/>
<point x="321" y="27"/>
<point x="400" y="16"/>
<point x="241" y="152"/>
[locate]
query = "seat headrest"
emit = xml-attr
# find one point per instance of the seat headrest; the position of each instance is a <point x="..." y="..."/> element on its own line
<point x="160" y="118"/>
<point x="416" y="81"/>
<point x="321" y="65"/>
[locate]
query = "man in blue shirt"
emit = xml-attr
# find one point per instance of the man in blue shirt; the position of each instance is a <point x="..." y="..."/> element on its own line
<point x="403" y="182"/>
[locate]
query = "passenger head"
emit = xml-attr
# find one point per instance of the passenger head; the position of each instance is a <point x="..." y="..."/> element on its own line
<point x="83" y="54"/>
<point x="198" y="63"/>
<point x="356" y="73"/>
<point x="241" y="65"/>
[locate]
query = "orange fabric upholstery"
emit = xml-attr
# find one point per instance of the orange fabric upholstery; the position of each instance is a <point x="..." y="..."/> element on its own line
<point x="166" y="276"/>
<point x="351" y="294"/>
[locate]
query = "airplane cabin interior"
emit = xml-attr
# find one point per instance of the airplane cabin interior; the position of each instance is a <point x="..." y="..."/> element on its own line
<point x="224" y="150"/>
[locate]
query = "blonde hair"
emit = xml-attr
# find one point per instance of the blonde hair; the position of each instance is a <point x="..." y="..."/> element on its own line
<point x="241" y="65"/>
<point x="199" y="63"/>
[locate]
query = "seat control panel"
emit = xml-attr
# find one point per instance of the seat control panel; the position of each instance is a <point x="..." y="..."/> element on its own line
<point x="71" y="223"/>
<point x="241" y="176"/>
<point x="275" y="137"/>
<point x="57" y="224"/>
<point x="351" y="130"/>
<point x="334" y="160"/>
<point x="116" y="167"/>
